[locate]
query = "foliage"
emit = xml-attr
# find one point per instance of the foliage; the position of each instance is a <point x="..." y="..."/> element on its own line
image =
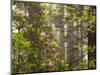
<point x="36" y="47"/>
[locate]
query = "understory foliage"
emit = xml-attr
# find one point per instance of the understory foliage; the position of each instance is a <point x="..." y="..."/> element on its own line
<point x="37" y="47"/>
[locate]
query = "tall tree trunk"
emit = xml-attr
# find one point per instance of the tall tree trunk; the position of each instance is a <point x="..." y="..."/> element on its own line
<point x="92" y="43"/>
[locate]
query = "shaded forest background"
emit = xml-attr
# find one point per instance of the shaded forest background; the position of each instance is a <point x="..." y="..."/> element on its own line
<point x="52" y="37"/>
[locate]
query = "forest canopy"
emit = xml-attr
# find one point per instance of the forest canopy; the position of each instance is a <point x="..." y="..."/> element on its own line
<point x="48" y="37"/>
